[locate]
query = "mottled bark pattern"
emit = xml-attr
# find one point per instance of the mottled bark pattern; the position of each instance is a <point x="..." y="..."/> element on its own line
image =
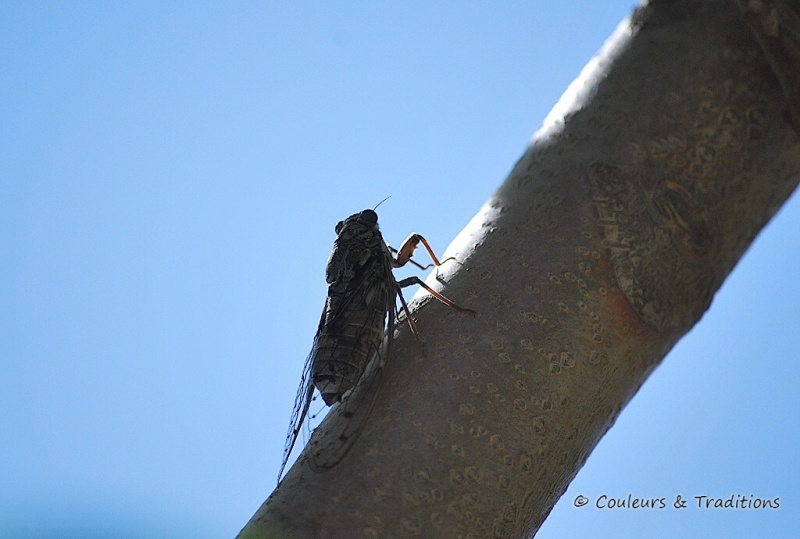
<point x="657" y="201"/>
<point x="776" y="26"/>
<point x="659" y="244"/>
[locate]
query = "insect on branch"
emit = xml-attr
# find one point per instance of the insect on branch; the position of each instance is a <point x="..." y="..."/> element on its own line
<point x="362" y="292"/>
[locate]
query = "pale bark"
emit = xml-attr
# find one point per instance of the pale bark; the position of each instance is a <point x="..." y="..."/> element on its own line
<point x="603" y="247"/>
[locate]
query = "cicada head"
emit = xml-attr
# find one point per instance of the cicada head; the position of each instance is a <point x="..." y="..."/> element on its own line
<point x="358" y="223"/>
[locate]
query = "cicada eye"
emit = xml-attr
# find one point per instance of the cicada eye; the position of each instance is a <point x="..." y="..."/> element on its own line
<point x="339" y="226"/>
<point x="369" y="216"/>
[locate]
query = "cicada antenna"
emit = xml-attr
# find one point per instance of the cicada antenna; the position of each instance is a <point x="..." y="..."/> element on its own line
<point x="381" y="202"/>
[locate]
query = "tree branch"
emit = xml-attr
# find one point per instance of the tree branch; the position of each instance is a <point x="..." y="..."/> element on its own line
<point x="604" y="246"/>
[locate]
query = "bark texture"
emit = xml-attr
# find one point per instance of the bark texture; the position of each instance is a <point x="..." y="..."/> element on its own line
<point x="603" y="247"/>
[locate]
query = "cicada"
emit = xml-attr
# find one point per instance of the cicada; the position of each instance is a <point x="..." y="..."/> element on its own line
<point x="362" y="292"/>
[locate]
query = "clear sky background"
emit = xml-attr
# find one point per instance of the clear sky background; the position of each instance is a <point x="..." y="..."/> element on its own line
<point x="170" y="176"/>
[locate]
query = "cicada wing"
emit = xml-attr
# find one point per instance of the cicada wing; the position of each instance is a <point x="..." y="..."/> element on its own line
<point x="302" y="402"/>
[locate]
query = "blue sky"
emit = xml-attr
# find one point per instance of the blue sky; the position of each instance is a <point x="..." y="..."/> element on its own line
<point x="171" y="177"/>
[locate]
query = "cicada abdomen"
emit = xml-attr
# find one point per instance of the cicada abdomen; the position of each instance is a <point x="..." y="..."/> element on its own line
<point x="361" y="293"/>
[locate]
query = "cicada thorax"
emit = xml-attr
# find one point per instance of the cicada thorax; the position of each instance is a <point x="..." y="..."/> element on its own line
<point x="361" y="291"/>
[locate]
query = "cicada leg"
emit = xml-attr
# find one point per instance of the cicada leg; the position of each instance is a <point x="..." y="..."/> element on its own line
<point x="403" y="256"/>
<point x="407" y="249"/>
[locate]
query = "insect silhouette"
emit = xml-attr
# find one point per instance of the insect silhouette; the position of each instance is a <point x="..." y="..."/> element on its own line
<point x="362" y="291"/>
